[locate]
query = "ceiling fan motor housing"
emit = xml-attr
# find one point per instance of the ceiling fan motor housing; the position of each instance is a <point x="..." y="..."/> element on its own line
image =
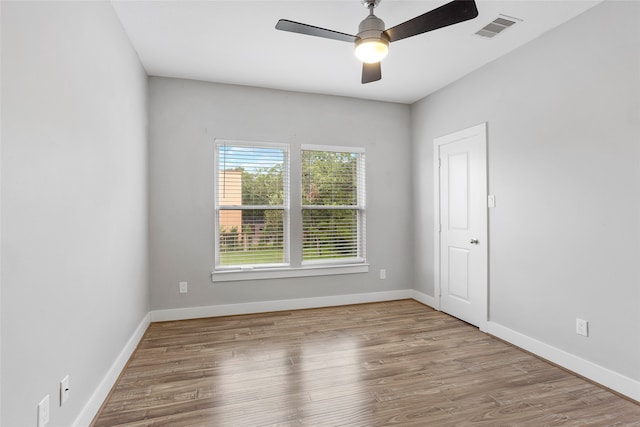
<point x="371" y="29"/>
<point x="372" y="40"/>
<point x="371" y="26"/>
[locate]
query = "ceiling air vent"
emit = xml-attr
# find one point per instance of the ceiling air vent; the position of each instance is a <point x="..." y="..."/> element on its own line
<point x="497" y="26"/>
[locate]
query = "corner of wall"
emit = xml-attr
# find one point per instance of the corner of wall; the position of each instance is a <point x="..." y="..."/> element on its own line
<point x="101" y="393"/>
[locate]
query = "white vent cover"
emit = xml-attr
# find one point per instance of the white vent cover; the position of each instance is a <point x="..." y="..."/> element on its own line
<point x="498" y="25"/>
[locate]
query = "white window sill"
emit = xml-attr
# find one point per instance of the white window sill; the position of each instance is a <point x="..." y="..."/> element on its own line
<point x="286" y="272"/>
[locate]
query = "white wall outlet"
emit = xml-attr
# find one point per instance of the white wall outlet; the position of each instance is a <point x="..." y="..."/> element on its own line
<point x="491" y="201"/>
<point x="582" y="327"/>
<point x="64" y="390"/>
<point x="43" y="412"/>
<point x="383" y="274"/>
<point x="184" y="288"/>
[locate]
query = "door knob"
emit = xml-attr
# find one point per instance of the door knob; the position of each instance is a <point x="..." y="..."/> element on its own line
<point x="474" y="241"/>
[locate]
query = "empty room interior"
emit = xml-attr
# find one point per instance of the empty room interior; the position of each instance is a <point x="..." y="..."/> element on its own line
<point x="226" y="179"/>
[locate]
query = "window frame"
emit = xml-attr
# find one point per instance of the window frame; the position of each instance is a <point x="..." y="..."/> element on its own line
<point x="285" y="207"/>
<point x="360" y="207"/>
<point x="292" y="213"/>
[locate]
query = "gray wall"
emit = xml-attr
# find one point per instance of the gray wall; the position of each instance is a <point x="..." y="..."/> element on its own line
<point x="563" y="119"/>
<point x="564" y="149"/>
<point x="186" y="116"/>
<point x="74" y="218"/>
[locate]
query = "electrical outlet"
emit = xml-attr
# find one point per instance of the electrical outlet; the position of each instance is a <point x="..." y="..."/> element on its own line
<point x="43" y="412"/>
<point x="184" y="287"/>
<point x="64" y="390"/>
<point x="582" y="327"/>
<point x="383" y="274"/>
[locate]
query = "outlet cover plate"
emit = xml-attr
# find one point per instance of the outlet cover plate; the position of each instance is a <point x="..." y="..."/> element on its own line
<point x="184" y="287"/>
<point x="582" y="327"/>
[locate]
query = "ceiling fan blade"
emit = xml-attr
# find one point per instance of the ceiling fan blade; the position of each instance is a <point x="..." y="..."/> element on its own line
<point x="443" y="16"/>
<point x="371" y="72"/>
<point x="310" y="30"/>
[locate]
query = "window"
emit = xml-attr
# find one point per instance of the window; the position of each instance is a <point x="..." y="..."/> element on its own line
<point x="251" y="204"/>
<point x="332" y="205"/>
<point x="253" y="216"/>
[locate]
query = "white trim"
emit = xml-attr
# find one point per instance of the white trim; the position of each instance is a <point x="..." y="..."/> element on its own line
<point x="608" y="378"/>
<point x="424" y="299"/>
<point x="360" y="207"/>
<point x="285" y="208"/>
<point x="594" y="372"/>
<point x="334" y="262"/>
<point x="277" y="305"/>
<point x="332" y="148"/>
<point x="251" y="207"/>
<point x="282" y="273"/>
<point x="333" y="207"/>
<point x="483" y="234"/>
<point x="250" y="144"/>
<point x="437" y="227"/>
<point x="102" y="391"/>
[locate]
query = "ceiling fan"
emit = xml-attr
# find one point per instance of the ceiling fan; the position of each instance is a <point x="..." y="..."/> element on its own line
<point x="372" y="40"/>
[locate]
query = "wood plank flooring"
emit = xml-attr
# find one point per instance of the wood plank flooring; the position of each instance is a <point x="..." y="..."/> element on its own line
<point x="383" y="364"/>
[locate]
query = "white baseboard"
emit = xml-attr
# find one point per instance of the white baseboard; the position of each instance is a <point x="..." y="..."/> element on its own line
<point x="613" y="380"/>
<point x="424" y="298"/>
<point x="100" y="394"/>
<point x="277" y="305"/>
<point x="599" y="374"/>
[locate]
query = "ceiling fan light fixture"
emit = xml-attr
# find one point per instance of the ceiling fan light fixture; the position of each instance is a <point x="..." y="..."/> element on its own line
<point x="372" y="50"/>
<point x="372" y="40"/>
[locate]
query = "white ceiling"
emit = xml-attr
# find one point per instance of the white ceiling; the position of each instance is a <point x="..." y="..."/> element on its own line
<point x="235" y="42"/>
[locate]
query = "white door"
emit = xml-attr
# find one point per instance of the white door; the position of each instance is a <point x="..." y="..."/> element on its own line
<point x="461" y="238"/>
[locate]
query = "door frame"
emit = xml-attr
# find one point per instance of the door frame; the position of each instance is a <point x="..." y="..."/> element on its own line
<point x="477" y="130"/>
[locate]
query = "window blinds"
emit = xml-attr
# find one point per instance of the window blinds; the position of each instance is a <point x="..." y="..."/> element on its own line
<point x="251" y="204"/>
<point x="333" y="201"/>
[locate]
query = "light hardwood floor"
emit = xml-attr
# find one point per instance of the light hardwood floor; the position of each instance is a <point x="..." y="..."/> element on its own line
<point x="383" y="364"/>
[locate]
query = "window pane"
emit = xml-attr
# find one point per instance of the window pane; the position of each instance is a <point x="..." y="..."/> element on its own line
<point x="251" y="236"/>
<point x="251" y="200"/>
<point x="329" y="233"/>
<point x="250" y="176"/>
<point x="329" y="178"/>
